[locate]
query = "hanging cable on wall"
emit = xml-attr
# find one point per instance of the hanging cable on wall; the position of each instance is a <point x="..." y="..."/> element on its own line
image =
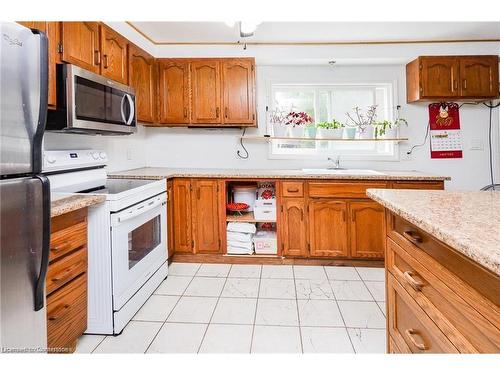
<point x="492" y="186"/>
<point x="240" y="155"/>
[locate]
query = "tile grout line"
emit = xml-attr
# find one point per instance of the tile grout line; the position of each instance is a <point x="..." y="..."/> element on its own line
<point x="165" y="321"/>
<point x="215" y="308"/>
<point x="256" y="307"/>
<point x="371" y="294"/>
<point x="340" y="311"/>
<point x="297" y="308"/>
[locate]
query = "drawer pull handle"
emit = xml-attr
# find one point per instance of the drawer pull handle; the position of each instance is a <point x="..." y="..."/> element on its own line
<point x="58" y="312"/>
<point x="410" y="278"/>
<point x="411" y="333"/>
<point x="296" y="190"/>
<point x="412" y="237"/>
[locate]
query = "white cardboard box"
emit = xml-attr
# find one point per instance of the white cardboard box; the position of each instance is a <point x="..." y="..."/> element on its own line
<point x="265" y="242"/>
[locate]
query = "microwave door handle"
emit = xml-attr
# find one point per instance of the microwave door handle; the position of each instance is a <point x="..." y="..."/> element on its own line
<point x="122" y="110"/>
<point x="132" y="109"/>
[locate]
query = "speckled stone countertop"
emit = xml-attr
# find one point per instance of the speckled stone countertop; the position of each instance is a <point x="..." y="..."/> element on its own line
<point x="160" y="173"/>
<point x="64" y="203"/>
<point x="468" y="221"/>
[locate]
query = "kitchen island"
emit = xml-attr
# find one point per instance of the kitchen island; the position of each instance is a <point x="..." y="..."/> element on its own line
<point x="442" y="270"/>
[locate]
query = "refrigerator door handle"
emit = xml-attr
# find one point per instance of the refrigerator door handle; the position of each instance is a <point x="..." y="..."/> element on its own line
<point x="44" y="98"/>
<point x="40" y="283"/>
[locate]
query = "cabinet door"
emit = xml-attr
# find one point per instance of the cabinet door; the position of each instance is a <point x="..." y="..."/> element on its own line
<point x="479" y="76"/>
<point x="174" y="91"/>
<point x="182" y="216"/>
<point x="327" y="228"/>
<point x="80" y="45"/>
<point x="170" y="218"/>
<point x="206" y="92"/>
<point x="238" y="91"/>
<point x="114" y="55"/>
<point x="294" y="228"/>
<point x="206" y="216"/>
<point x="439" y="77"/>
<point x="142" y="77"/>
<point x="367" y="229"/>
<point x="51" y="29"/>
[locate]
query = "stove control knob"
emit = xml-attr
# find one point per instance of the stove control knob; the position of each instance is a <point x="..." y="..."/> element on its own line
<point x="102" y="155"/>
<point x="50" y="159"/>
<point x="95" y="155"/>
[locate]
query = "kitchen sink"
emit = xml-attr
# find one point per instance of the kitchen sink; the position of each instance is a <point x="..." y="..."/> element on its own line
<point x="368" y="172"/>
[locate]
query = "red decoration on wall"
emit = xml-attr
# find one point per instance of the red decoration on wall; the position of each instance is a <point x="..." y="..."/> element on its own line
<point x="446" y="139"/>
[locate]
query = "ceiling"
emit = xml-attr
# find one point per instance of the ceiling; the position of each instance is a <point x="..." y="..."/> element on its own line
<point x="320" y="32"/>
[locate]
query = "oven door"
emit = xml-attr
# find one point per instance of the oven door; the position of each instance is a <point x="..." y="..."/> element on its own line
<point x="138" y="246"/>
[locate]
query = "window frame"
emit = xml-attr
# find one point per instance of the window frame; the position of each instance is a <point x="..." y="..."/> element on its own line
<point x="274" y="86"/>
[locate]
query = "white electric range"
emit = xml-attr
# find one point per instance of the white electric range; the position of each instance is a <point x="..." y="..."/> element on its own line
<point x="127" y="235"/>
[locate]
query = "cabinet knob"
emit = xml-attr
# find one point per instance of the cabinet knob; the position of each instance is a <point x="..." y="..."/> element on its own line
<point x="217" y="112"/>
<point x="185" y="112"/>
<point x="465" y="84"/>
<point x="97" y="57"/>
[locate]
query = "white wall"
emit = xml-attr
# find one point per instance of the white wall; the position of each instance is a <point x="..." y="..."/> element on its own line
<point x="194" y="148"/>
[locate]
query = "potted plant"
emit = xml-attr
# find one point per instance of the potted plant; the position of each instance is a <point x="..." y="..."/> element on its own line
<point x="364" y="121"/>
<point x="277" y="120"/>
<point x="388" y="129"/>
<point x="330" y="129"/>
<point x="296" y="121"/>
<point x="311" y="131"/>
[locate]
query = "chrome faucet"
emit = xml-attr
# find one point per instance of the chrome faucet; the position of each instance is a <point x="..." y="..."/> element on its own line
<point x="336" y="162"/>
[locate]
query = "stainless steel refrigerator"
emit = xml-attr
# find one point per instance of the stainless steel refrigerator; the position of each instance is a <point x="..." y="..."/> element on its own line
<point x="24" y="192"/>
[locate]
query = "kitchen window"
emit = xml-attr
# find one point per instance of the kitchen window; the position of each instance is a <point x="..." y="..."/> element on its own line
<point x="327" y="102"/>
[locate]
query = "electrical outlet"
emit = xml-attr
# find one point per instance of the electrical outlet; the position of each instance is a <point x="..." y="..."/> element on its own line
<point x="129" y="153"/>
<point x="476" y="144"/>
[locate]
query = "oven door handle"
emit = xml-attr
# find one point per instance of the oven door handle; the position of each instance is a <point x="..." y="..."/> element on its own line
<point x="146" y="206"/>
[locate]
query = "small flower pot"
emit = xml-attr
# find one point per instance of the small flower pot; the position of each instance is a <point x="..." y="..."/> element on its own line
<point x="350" y="133"/>
<point x="390" y="133"/>
<point x="367" y="133"/>
<point x="310" y="131"/>
<point x="295" y="131"/>
<point x="325" y="133"/>
<point x="279" y="130"/>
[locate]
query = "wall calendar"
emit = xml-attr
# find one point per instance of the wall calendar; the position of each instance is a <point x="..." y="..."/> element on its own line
<point x="446" y="139"/>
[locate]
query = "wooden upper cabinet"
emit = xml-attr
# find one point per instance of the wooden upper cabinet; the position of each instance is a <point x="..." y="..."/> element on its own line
<point x="206" y="92"/>
<point x="81" y="45"/>
<point x="479" y="76"/>
<point x="238" y="91"/>
<point x="174" y="91"/>
<point x="367" y="229"/>
<point x="205" y="216"/>
<point x="114" y="51"/>
<point x="294" y="228"/>
<point x="328" y="228"/>
<point x="142" y="77"/>
<point x="182" y="216"/>
<point x="51" y="29"/>
<point x="452" y="78"/>
<point x="439" y="76"/>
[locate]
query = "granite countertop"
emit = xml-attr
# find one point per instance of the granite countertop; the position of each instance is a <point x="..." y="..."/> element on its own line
<point x="160" y="173"/>
<point x="64" y="203"/>
<point x="468" y="221"/>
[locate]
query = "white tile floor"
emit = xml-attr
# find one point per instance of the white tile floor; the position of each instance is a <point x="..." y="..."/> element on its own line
<point x="219" y="308"/>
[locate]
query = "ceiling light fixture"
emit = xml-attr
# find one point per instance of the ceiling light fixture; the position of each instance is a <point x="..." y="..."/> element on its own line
<point x="247" y="28"/>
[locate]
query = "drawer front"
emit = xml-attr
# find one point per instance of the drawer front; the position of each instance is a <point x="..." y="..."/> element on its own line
<point x="416" y="241"/>
<point x="68" y="239"/>
<point x="420" y="185"/>
<point x="65" y="269"/>
<point x="393" y="348"/>
<point x="292" y="189"/>
<point x="342" y="190"/>
<point x="466" y="328"/>
<point x="411" y="329"/>
<point x="67" y="313"/>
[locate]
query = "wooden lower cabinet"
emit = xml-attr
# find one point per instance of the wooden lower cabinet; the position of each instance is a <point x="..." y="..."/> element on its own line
<point x="366" y="229"/>
<point x="438" y="301"/>
<point x="67" y="281"/>
<point x="328" y="228"/>
<point x="195" y="216"/>
<point x="205" y="218"/>
<point x="293" y="231"/>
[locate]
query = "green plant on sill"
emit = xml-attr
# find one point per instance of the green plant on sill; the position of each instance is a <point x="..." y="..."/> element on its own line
<point x="334" y="124"/>
<point x="382" y="126"/>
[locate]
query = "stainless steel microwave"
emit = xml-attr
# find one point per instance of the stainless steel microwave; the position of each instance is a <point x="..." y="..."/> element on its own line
<point x="90" y="103"/>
